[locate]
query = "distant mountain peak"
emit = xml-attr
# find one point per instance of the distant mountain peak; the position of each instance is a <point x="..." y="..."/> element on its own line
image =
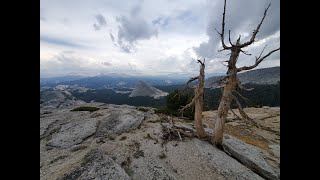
<point x="144" y="89"/>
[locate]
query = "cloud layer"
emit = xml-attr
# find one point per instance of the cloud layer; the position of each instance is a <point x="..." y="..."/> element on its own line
<point x="149" y="37"/>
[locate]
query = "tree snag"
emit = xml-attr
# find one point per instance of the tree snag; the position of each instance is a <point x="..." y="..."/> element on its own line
<point x="197" y="101"/>
<point x="231" y="82"/>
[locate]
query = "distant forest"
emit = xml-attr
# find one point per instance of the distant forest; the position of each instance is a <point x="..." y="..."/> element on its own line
<point x="261" y="95"/>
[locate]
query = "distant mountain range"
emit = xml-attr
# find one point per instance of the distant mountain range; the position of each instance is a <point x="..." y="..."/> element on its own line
<point x="258" y="76"/>
<point x="144" y="89"/>
<point x="57" y="80"/>
<point x="109" y="81"/>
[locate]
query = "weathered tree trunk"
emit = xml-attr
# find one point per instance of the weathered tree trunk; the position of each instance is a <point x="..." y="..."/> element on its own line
<point x="198" y="117"/>
<point x="227" y="97"/>
<point x="198" y="101"/>
<point x="199" y="106"/>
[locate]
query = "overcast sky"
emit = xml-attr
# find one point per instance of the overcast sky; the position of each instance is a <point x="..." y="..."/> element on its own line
<point x="140" y="37"/>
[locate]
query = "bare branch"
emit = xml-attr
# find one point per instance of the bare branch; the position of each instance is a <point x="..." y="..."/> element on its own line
<point x="230" y="39"/>
<point x="238" y="41"/>
<point x="202" y="63"/>
<point x="222" y="31"/>
<point x="244" y="115"/>
<point x="244" y="52"/>
<point x="235" y="114"/>
<point x="180" y="92"/>
<point x="191" y="80"/>
<point x="261" y="52"/>
<point x="188" y="87"/>
<point x="217" y="31"/>
<point x="255" y="32"/>
<point x="177" y="94"/>
<point x="244" y="98"/>
<point x="258" y="61"/>
<point x="221" y="50"/>
<point x="191" y="103"/>
<point x="243" y="88"/>
<point x="222" y="80"/>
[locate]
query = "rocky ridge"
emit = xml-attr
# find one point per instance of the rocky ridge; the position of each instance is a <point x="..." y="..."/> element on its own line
<point x="126" y="142"/>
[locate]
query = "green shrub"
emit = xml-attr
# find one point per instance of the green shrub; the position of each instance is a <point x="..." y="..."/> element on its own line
<point x="86" y="108"/>
<point x="175" y="101"/>
<point x="143" y="109"/>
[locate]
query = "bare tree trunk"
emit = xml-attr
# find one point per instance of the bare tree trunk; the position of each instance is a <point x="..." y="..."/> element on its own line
<point x="198" y="118"/>
<point x="199" y="106"/>
<point x="198" y="102"/>
<point x="227" y="97"/>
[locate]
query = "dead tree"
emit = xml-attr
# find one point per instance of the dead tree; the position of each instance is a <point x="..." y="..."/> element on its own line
<point x="197" y="101"/>
<point x="231" y="82"/>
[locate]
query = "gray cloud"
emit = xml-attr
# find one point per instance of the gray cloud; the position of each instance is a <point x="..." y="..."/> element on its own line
<point x="101" y="22"/>
<point x="157" y="21"/>
<point x="161" y="21"/>
<point x="134" y="28"/>
<point x="242" y="17"/>
<point x="106" y="63"/>
<point x="183" y="21"/>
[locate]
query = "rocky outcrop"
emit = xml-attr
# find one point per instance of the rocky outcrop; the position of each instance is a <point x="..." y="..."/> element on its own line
<point x="57" y="98"/>
<point x="119" y="121"/>
<point x="73" y="133"/>
<point x="123" y="142"/>
<point x="223" y="163"/>
<point x="75" y="129"/>
<point x="97" y="165"/>
<point x="249" y="156"/>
